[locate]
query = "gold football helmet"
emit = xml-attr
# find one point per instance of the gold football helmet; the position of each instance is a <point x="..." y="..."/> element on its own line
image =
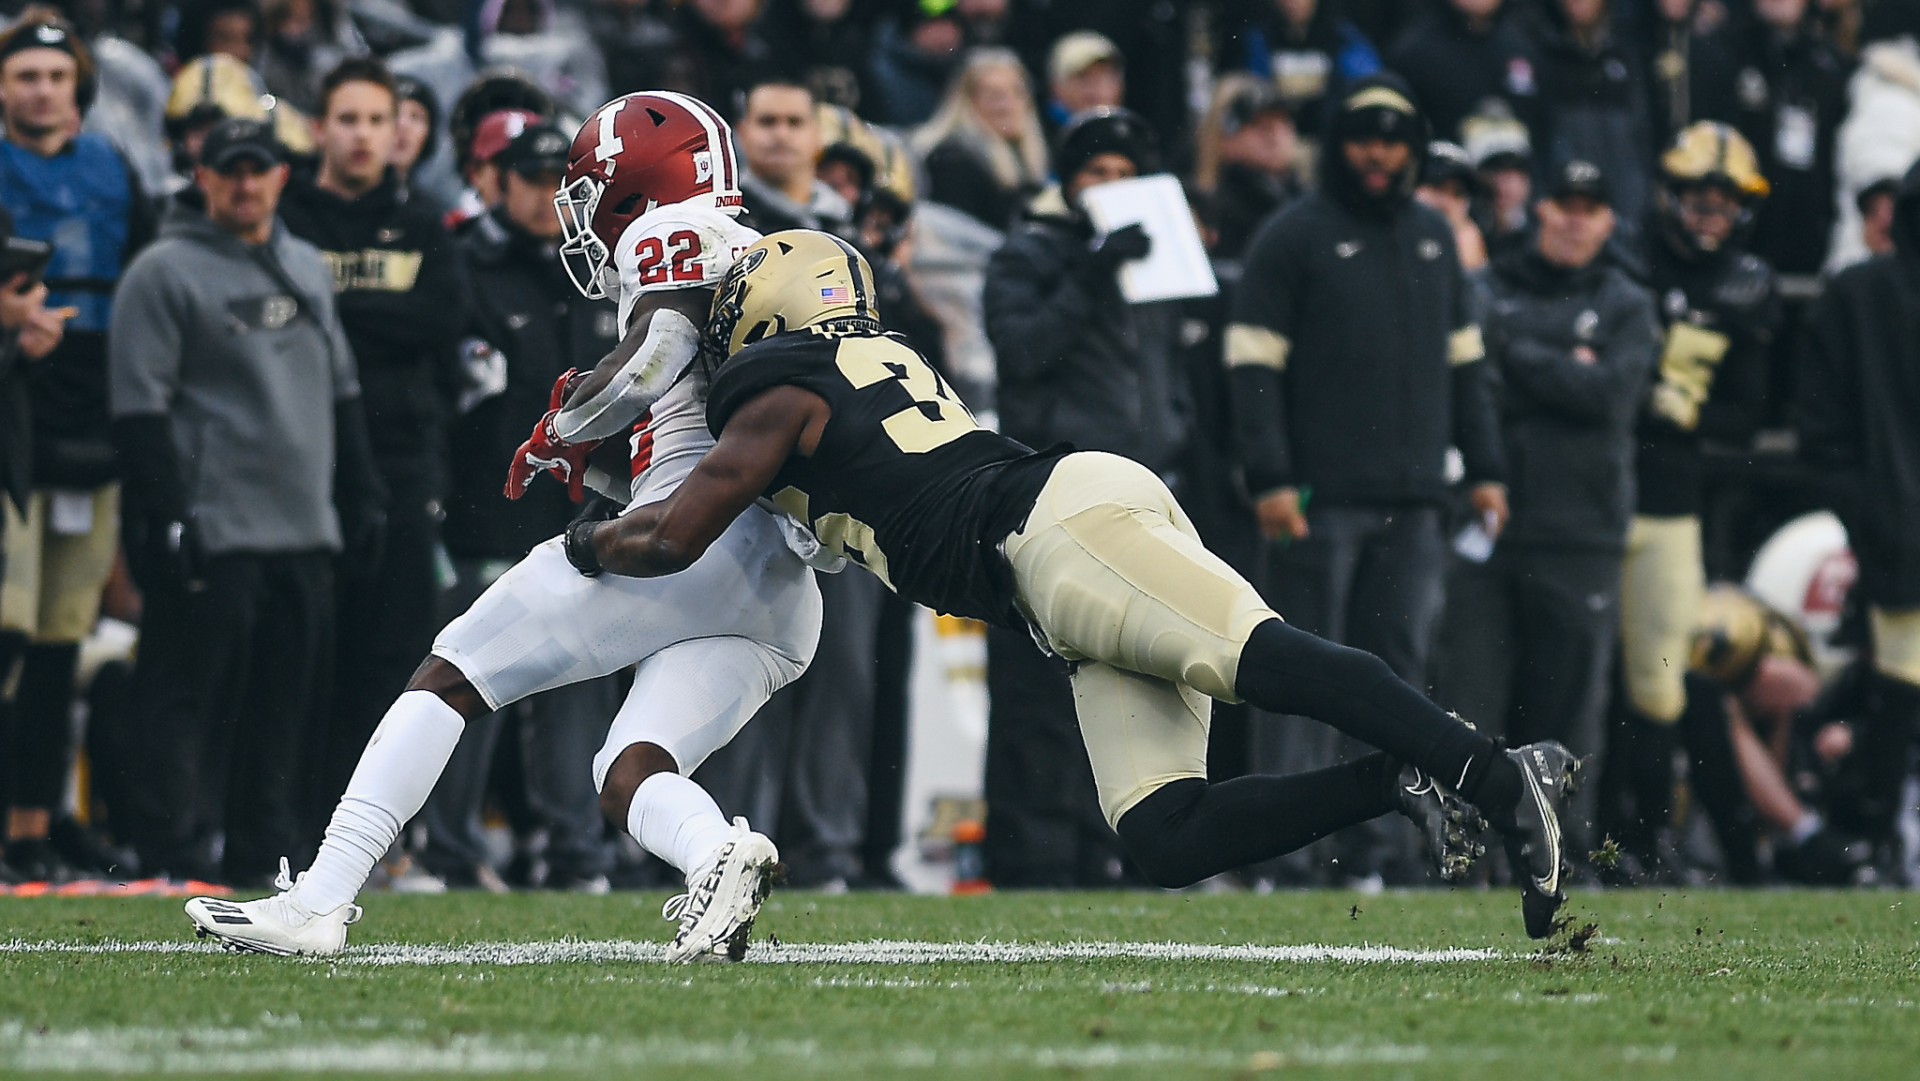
<point x="1711" y="152"/>
<point x="792" y="279"/>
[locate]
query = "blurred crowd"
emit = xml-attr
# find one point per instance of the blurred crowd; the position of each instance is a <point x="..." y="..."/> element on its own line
<point x="1564" y="355"/>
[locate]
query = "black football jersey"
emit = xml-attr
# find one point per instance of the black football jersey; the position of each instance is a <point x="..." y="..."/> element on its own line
<point x="903" y="481"/>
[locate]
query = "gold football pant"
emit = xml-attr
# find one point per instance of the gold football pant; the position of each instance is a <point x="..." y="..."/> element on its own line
<point x="57" y="564"/>
<point x="1896" y="642"/>
<point x="1661" y="589"/>
<point x="1114" y="575"/>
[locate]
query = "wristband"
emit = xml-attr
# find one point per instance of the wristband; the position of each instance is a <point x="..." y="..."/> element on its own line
<point x="579" y="546"/>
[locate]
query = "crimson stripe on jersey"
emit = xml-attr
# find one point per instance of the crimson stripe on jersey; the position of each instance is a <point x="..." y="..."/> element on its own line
<point x="640" y="450"/>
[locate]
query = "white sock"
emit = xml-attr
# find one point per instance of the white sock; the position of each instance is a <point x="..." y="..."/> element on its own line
<point x="676" y="820"/>
<point x="397" y="771"/>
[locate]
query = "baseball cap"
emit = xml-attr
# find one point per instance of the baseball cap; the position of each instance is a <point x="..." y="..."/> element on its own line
<point x="1079" y="51"/>
<point x="1579" y="178"/>
<point x="497" y="129"/>
<point x="541" y="148"/>
<point x="237" y="138"/>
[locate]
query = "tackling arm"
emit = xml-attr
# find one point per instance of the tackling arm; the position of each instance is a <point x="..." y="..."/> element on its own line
<point x="669" y="536"/>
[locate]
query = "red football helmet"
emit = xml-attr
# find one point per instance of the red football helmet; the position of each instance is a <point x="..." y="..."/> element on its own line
<point x="635" y="153"/>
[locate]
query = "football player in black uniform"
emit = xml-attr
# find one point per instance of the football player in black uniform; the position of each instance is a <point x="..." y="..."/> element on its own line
<point x="848" y="430"/>
<point x="1717" y="308"/>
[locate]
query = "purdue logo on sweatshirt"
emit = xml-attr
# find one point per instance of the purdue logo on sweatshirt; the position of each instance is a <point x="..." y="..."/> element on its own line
<point x="373" y="268"/>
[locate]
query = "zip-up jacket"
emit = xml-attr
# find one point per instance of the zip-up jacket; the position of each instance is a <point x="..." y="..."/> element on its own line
<point x="1568" y="423"/>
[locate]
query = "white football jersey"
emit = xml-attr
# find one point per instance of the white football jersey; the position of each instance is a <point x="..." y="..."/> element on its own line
<point x="673" y="247"/>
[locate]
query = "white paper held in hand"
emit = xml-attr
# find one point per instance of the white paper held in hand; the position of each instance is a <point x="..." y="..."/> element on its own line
<point x="1177" y="267"/>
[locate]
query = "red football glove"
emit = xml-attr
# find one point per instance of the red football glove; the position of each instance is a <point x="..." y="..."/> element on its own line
<point x="545" y="450"/>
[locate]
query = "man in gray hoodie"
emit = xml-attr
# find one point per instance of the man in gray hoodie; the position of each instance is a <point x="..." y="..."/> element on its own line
<point x="237" y="417"/>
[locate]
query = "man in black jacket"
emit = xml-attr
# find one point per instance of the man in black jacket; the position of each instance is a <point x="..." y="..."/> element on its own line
<point x="529" y="325"/>
<point x="403" y="300"/>
<point x="1716" y="305"/>
<point x="1077" y="364"/>
<point x="1355" y="364"/>
<point x="1458" y="54"/>
<point x="1573" y="340"/>
<point x="1858" y="413"/>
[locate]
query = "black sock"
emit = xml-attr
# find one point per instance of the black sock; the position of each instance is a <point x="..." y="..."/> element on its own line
<point x="1286" y="670"/>
<point x="1189" y="830"/>
<point x="1493" y="783"/>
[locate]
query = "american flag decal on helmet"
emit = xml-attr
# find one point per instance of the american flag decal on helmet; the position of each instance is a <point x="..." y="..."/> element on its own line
<point x="835" y="294"/>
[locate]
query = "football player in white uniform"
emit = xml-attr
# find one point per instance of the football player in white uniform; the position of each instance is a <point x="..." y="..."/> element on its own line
<point x="647" y="208"/>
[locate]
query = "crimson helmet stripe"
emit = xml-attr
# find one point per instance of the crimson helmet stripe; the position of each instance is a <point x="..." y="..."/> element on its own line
<point x="719" y="139"/>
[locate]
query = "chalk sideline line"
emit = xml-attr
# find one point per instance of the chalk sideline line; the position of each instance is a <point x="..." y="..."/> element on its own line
<point x="876" y="952"/>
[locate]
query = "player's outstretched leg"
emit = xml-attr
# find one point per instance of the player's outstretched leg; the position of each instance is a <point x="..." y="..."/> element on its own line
<point x="397" y="771"/>
<point x="1523" y="791"/>
<point x="687" y="701"/>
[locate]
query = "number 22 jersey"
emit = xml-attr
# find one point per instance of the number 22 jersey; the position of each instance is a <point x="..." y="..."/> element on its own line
<point x="904" y="482"/>
<point x="682" y="246"/>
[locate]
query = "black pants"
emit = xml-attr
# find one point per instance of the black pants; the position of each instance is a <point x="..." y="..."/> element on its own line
<point x="1372" y="578"/>
<point x="1045" y="829"/>
<point x="230" y="681"/>
<point x="388" y="614"/>
<point x="1526" y="648"/>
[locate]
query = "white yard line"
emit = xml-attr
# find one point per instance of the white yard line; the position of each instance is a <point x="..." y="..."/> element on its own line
<point x="237" y="1050"/>
<point x="877" y="952"/>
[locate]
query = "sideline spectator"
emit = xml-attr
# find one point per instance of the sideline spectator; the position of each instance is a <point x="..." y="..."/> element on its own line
<point x="780" y="139"/>
<point x="1592" y="99"/>
<point x="402" y="298"/>
<point x="1876" y="203"/>
<point x="985" y="152"/>
<point x="1790" y="92"/>
<point x="416" y="127"/>
<point x="715" y="50"/>
<point x="823" y="44"/>
<point x="916" y="49"/>
<point x="1310" y="51"/>
<point x="75" y="192"/>
<point x="1501" y="153"/>
<point x="1690" y="73"/>
<point x="28" y="332"/>
<point x="1246" y="159"/>
<point x="1449" y="184"/>
<point x="1457" y="55"/>
<point x="301" y="41"/>
<point x="1084" y="71"/>
<point x="1528" y="635"/>
<point x="1718" y="312"/>
<point x="1353" y="401"/>
<point x="551" y="46"/>
<point x="1079" y="364"/>
<point x="1858" y="415"/>
<point x="529" y="325"/>
<point x="233" y="471"/>
<point x="1880" y="137"/>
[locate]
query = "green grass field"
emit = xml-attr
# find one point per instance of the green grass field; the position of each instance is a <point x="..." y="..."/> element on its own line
<point x="1737" y="985"/>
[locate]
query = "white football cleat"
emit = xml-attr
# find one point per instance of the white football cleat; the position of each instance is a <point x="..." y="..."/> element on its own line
<point x="716" y="913"/>
<point x="279" y="924"/>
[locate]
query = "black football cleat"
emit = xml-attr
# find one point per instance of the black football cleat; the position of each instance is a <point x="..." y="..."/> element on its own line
<point x="1449" y="826"/>
<point x="1536" y="846"/>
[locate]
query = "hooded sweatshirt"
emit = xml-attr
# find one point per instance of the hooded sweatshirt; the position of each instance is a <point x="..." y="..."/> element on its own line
<point x="1354" y="358"/>
<point x="1858" y="407"/>
<point x="240" y="348"/>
